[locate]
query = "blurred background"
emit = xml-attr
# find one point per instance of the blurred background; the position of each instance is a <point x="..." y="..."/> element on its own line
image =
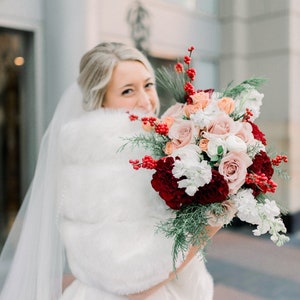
<point x="41" y="43"/>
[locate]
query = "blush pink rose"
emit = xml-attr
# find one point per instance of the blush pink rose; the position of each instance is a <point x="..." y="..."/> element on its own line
<point x="174" y="111"/>
<point x="245" y="133"/>
<point x="169" y="121"/>
<point x="233" y="167"/>
<point x="181" y="133"/>
<point x="223" y="125"/>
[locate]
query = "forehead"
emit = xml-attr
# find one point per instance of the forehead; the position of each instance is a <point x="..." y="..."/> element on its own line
<point x="130" y="70"/>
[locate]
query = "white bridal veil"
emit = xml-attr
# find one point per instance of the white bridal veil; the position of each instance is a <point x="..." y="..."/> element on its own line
<point x="32" y="260"/>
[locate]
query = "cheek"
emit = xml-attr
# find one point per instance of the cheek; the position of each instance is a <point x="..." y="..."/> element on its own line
<point x="154" y="99"/>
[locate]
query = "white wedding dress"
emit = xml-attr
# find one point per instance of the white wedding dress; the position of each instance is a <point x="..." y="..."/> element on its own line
<point x="109" y="214"/>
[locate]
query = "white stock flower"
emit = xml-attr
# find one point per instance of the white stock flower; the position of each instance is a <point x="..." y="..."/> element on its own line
<point x="270" y="208"/>
<point x="235" y="144"/>
<point x="203" y="117"/>
<point x="265" y="215"/>
<point x="246" y="206"/>
<point x="250" y="99"/>
<point x="197" y="173"/>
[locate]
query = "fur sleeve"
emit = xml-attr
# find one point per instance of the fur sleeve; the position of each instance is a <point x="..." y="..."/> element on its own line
<point x="110" y="212"/>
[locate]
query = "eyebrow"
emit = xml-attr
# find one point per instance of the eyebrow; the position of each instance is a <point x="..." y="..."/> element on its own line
<point x="131" y="84"/>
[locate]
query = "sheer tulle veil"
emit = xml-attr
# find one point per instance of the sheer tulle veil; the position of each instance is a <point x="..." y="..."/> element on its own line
<point x="32" y="261"/>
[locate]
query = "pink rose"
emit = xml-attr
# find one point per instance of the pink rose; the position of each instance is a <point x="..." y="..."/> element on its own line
<point x="181" y="133"/>
<point x="245" y="133"/>
<point x="233" y="167"/>
<point x="223" y="125"/>
<point x="174" y="111"/>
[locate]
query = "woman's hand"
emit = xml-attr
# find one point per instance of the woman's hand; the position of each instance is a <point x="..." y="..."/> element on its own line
<point x="67" y="280"/>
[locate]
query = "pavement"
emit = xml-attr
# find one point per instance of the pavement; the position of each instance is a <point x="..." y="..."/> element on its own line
<point x="246" y="267"/>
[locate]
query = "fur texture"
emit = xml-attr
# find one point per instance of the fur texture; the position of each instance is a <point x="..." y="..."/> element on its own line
<point x="109" y="211"/>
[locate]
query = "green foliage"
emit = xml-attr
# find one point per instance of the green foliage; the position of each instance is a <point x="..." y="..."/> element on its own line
<point x="252" y="83"/>
<point x="172" y="82"/>
<point x="280" y="172"/>
<point x="188" y="227"/>
<point x="283" y="174"/>
<point x="150" y="141"/>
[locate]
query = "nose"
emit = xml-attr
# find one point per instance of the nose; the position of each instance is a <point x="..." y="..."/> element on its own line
<point x="144" y="101"/>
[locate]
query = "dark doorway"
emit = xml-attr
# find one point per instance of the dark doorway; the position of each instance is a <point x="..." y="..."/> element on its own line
<point x="12" y="62"/>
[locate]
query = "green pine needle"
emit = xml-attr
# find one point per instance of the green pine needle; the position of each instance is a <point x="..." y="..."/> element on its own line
<point x="152" y="141"/>
<point x="188" y="227"/>
<point x="252" y="83"/>
<point x="172" y="82"/>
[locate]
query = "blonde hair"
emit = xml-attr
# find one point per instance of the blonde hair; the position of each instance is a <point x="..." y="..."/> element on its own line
<point x="96" y="68"/>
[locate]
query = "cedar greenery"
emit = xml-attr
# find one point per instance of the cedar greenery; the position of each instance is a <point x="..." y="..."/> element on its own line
<point x="188" y="227"/>
<point x="150" y="141"/>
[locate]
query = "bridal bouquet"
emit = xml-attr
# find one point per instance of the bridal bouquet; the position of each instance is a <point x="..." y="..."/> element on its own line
<point x="209" y="159"/>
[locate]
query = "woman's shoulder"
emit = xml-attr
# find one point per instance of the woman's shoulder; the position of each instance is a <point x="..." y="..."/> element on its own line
<point x="95" y="134"/>
<point x="101" y="121"/>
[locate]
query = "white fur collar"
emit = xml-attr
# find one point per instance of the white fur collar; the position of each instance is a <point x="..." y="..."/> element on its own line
<point x="96" y="134"/>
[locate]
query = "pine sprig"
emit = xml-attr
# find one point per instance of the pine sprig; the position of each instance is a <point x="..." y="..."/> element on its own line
<point x="152" y="141"/>
<point x="172" y="82"/>
<point x="283" y="174"/>
<point x="188" y="227"/>
<point x="252" y="83"/>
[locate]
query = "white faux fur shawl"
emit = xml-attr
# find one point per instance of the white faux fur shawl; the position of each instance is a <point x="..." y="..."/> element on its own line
<point x="110" y="211"/>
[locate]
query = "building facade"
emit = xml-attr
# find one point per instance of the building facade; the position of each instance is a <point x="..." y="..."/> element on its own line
<point x="234" y="40"/>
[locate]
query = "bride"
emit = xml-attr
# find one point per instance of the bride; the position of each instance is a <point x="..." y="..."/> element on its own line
<point x="86" y="229"/>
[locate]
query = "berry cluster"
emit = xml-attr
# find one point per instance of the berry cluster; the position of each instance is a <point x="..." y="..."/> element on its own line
<point x="248" y="114"/>
<point x="262" y="182"/>
<point x="278" y="159"/>
<point x="148" y="162"/>
<point x="133" y="117"/>
<point x="152" y="122"/>
<point x="190" y="73"/>
<point x="149" y="121"/>
<point x="179" y="67"/>
<point x="162" y="128"/>
<point x="189" y="88"/>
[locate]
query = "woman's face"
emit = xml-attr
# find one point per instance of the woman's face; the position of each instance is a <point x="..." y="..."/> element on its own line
<point x="131" y="87"/>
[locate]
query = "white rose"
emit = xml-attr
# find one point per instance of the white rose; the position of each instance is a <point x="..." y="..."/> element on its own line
<point x="214" y="145"/>
<point x="236" y="144"/>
